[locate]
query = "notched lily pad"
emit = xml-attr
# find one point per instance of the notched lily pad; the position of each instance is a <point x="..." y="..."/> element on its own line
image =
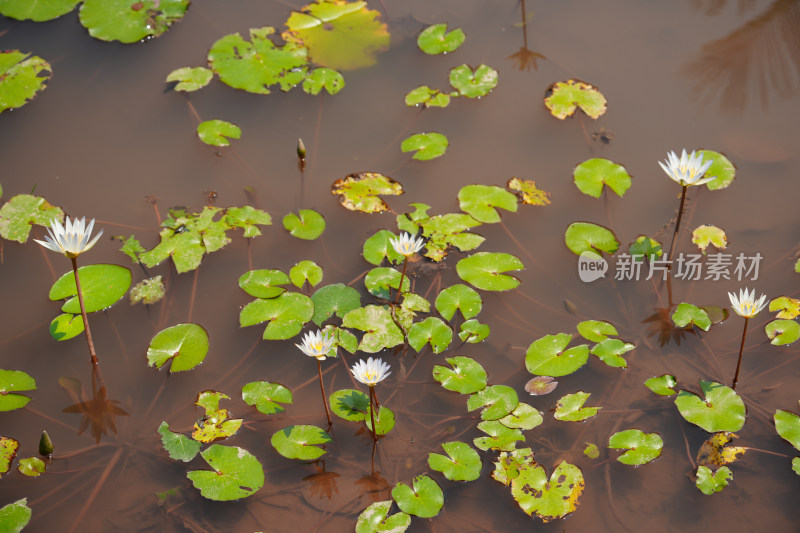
<point x="424" y="500"/>
<point x="8" y="450"/>
<point x="379" y="327"/>
<point x="237" y="474"/>
<point x="337" y="299"/>
<point x="721" y="167"/>
<point x="462" y="463"/>
<point x="587" y="237"/>
<point x="641" y="447"/>
<point x="484" y="270"/>
<point x="217" y="132"/>
<point x="548" y="356"/>
<point x="645" y="247"/>
<point x="266" y="397"/>
<point x="263" y="283"/>
<point x="350" y="404"/>
<point x="308" y="225"/>
<point x="787" y="424"/>
<point x="21" y="78"/>
<point x="22" y="211"/>
<point x="12" y="381"/>
<point x="180" y="447"/>
<point x="481" y="202"/>
<point x="36" y="11"/>
<point x="687" y="315"/>
<point x="496" y="401"/>
<point x="102" y="286"/>
<point x="66" y="326"/>
<point x="376" y="519"/>
<point x="710" y="482"/>
<point x="591" y="175"/>
<point x="305" y="271"/>
<point x="15" y="516"/>
<point x="188" y="79"/>
<point x="788" y="308"/>
<point x="431" y="331"/>
<point x="596" y="330"/>
<point x="466" y="377"/>
<point x="527" y="192"/>
<point x="128" y="21"/>
<point x="704" y="235"/>
<point x="548" y="499"/>
<point x="473" y="84"/>
<point x="662" y="385"/>
<point x="570" y="408"/>
<point x="500" y="437"/>
<point x="782" y="332"/>
<point x="300" y="442"/>
<point x="564" y="97"/>
<point x="327" y="78"/>
<point x="427" y="97"/>
<point x="185" y="344"/>
<point x="425" y="145"/>
<point x="286" y="315"/>
<point x="435" y="39"/>
<point x="721" y="409"/>
<point x="361" y="191"/>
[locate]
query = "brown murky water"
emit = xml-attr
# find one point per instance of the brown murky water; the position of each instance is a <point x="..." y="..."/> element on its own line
<point x="106" y="134"/>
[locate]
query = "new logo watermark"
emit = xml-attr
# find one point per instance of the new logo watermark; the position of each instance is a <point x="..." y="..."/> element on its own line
<point x="591" y="266"/>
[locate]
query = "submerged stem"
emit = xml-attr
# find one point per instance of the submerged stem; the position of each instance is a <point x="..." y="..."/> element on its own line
<point x="741" y="349"/>
<point x="324" y="397"/>
<point x="372" y="399"/>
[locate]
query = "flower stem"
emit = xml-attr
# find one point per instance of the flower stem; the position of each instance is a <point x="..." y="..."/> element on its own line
<point x="87" y="331"/>
<point x="324" y="397"/>
<point x="741" y="349"/>
<point x="677" y="225"/>
<point x="402" y="277"/>
<point x="372" y="400"/>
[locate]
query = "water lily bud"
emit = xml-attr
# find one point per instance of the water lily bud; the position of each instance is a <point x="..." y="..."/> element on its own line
<point x="45" y="445"/>
<point x="301" y="149"/>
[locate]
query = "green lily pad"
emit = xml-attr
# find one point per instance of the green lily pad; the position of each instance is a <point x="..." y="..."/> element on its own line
<point x="596" y="330"/>
<point x="102" y="286"/>
<point x="217" y="132"/>
<point x="473" y="331"/>
<point x="36" y="11"/>
<point x="148" y="291"/>
<point x="237" y="474"/>
<point x="782" y="332"/>
<point x="379" y="247"/>
<point x="591" y="175"/>
<point x="266" y="397"/>
<point x="787" y="424"/>
<point x="15" y="516"/>
<point x="286" y="315"/>
<point x="570" y="408"/>
<point x="642" y="448"/>
<point x="309" y="225"/>
<point x="384" y="420"/>
<point x="466" y="377"/>
<point x="721" y="167"/>
<point x="435" y="39"/>
<point x="426" y="145"/>
<point x="8" y="450"/>
<point x="687" y="314"/>
<point x="587" y="237"/>
<point x="496" y="401"/>
<point x="341" y="338"/>
<point x="248" y="218"/>
<point x="360" y="192"/>
<point x="381" y="280"/>
<point x="444" y="231"/>
<point x="380" y="330"/>
<point x="375" y="519"/>
<point x="547" y="356"/>
<point x="22" y="211"/>
<point x="527" y="192"/>
<point x="643" y="247"/>
<point x="721" y="410"/>
<point x="508" y="463"/>
<point x="129" y="22"/>
<point x="484" y="270"/>
<point x="190" y="78"/>
<point x="427" y="97"/>
<point x="338" y="299"/>
<point x="462" y="463"/>
<point x="66" y="326"/>
<point x="350" y="404"/>
<point x="322" y="77"/>
<point x="431" y="330"/>
<point x="180" y="447"/>
<point x="185" y="344"/>
<point x="458" y="297"/>
<point x="709" y="482"/>
<point x="424" y="500"/>
<point x="300" y="442"/>
<point x="662" y="385"/>
<point x="31" y="467"/>
<point x="21" y="78"/>
<point x="263" y="283"/>
<point x="473" y="84"/>
<point x="305" y="271"/>
<point x="704" y="235"/>
<point x="551" y="499"/>
<point x="257" y="65"/>
<point x="610" y="352"/>
<point x="789" y="307"/>
<point x="132" y="248"/>
<point x="481" y="201"/>
<point x="564" y="97"/>
<point x="14" y="381"/>
<point x="591" y="451"/>
<point x="523" y="417"/>
<point x="796" y="465"/>
<point x="338" y="34"/>
<point x="499" y="438"/>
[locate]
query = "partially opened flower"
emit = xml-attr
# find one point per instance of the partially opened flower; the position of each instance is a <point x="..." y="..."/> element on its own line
<point x="72" y="239"/>
<point x="406" y="245"/>
<point x="370" y="372"/>
<point x="746" y="304"/>
<point x="316" y="344"/>
<point x="687" y="170"/>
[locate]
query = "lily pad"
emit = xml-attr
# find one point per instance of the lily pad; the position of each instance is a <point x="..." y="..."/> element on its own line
<point x="384" y="420"/>
<point x="787" y="424"/>
<point x="687" y="314"/>
<point x="286" y="315"/>
<point x="662" y="385"/>
<point x="237" y="474"/>
<point x="570" y="408"/>
<point x="36" y="11"/>
<point x="788" y="308"/>
<point x="424" y="500"/>
<point x="596" y="330"/>
<point x="338" y="299"/>
<point x="185" y="344"/>
<point x="350" y="404"/>
<point x="473" y="84"/>
<point x="266" y="397"/>
<point x="15" y="516"/>
<point x="426" y="145"/>
<point x="481" y="201"/>
<point x="148" y="291"/>
<point x="499" y="438"/>
<point x="305" y="271"/>
<point x="547" y="356"/>
<point x="129" y="22"/>
<point x="523" y="417"/>
<point x="466" y="377"/>
<point x="379" y="247"/>
<point x="431" y="330"/>
<point x="715" y="452"/>
<point x="721" y="167"/>
<point x="462" y="463"/>
<point x="21" y="77"/>
<point x="591" y="175"/>
<point x="528" y="193"/>
<point x="22" y="211"/>
<point x="508" y="463"/>
<point x="564" y="97"/>
<point x="427" y="97"/>
<point x="435" y="39"/>
<point x="12" y="381"/>
<point x="102" y="286"/>
<point x="380" y="282"/>
<point x="375" y="519"/>
<point x="300" y="442"/>
<point x="610" y="352"/>
<point x="496" y="401"/>
<point x="540" y="385"/>
<point x="327" y="78"/>
<point x="721" y="409"/>
<point x="782" y="332"/>
<point x="642" y="447"/>
<point x="472" y="331"/>
<point x="8" y="450"/>
<point x="308" y="225"/>
<point x="551" y="499"/>
<point x="591" y="451"/>
<point x="710" y="482"/>
<point x="380" y="330"/>
<point x="66" y="326"/>
<point x="484" y="270"/>
<point x="180" y="447"/>
<point x="190" y="79"/>
<point x="587" y="237"/>
<point x="444" y="231"/>
<point x="643" y="247"/>
<point x="217" y="132"/>
<point x="704" y="235"/>
<point x="264" y="283"/>
<point x="360" y="192"/>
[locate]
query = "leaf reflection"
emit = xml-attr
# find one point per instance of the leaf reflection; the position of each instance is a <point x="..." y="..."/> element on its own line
<point x="323" y="484"/>
<point x="97" y="411"/>
<point x="374" y="485"/>
<point x="661" y="324"/>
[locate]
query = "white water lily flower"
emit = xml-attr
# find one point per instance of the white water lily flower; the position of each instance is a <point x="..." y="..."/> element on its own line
<point x="746" y="304"/>
<point x="371" y="371"/>
<point x="72" y="239"/>
<point x="316" y="344"/>
<point x="406" y="245"/>
<point x="688" y="170"/>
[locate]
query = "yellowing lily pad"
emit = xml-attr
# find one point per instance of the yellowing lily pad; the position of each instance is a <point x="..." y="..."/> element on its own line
<point x="548" y="499"/>
<point x="704" y="235"/>
<point x="715" y="452"/>
<point x="564" y="97"/>
<point x="360" y="192"/>
<point x="528" y="192"/>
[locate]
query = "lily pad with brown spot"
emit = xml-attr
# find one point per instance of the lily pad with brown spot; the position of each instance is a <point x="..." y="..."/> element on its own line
<point x="564" y="97"/>
<point x="361" y="191"/>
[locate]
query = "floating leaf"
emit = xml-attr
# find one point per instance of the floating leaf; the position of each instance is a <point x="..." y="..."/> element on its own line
<point x="380" y="282"/>
<point x="570" y="408"/>
<point x="783" y="331"/>
<point x="591" y="175"/>
<point x="263" y="283"/>
<point x="551" y="499"/>
<point x="484" y="270"/>
<point x="8" y="450"/>
<point x="424" y="500"/>
<point x="466" y="377"/>
<point x="286" y="315"/>
<point x="642" y="447"/>
<point x="473" y="84"/>
<point x="300" y="442"/>
<point x="384" y="420"/>
<point x="66" y="326"/>
<point x="131" y="247"/>
<point x="359" y="192"/>
<point x="508" y="463"/>
<point x="643" y="247"/>
<point x="148" y="291"/>
<point x="444" y="231"/>
<point x="185" y="344"/>
<point x="216" y="427"/>
<point x="21" y="78"/>
<point x="180" y="447"/>
<point x="596" y="330"/>
<point x="709" y="482"/>
<point x="375" y="519"/>
<point x="217" y="132"/>
<point x="427" y="97"/>
<point x="473" y="331"/>
<point x="789" y="307"/>
<point x="337" y="299"/>
<point x="237" y="474"/>
<point x="338" y="34"/>
<point x="496" y="401"/>
<point x="704" y="235"/>
<point x="540" y="385"/>
<point x="563" y="97"/>
<point x="266" y="397"/>
<point x="481" y="201"/>
<point x="14" y="381"/>
<point x="36" y="11"/>
<point x="121" y="20"/>
<point x="662" y="385"/>
<point x="435" y="39"/>
<point x="257" y="65"/>
<point x="380" y="330"/>
<point x="350" y="404"/>
<point x="587" y="237"/>
<point x="190" y="78"/>
<point x="23" y="210"/>
<point x="102" y="286"/>
<point x="547" y="356"/>
<point x="687" y="314"/>
<point x="426" y="145"/>
<point x="319" y="78"/>
<point x="500" y="437"/>
<point x="787" y="424"/>
<point x="522" y="417"/>
<point x="431" y="330"/>
<point x="248" y="218"/>
<point x="591" y="451"/>
<point x="721" y="410"/>
<point x="305" y="271"/>
<point x="15" y="516"/>
<point x="379" y="247"/>
<point x="610" y="352"/>
<point x="342" y="338"/>
<point x="721" y="167"/>
<point x="528" y="193"/>
<point x="309" y="225"/>
<point x="714" y="452"/>
<point x="462" y="464"/>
